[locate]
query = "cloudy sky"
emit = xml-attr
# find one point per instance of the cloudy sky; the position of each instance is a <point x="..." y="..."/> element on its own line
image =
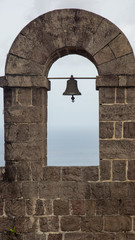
<point x="72" y="127"/>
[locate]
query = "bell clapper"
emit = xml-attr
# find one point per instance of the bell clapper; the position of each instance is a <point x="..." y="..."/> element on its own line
<point x="73" y="98"/>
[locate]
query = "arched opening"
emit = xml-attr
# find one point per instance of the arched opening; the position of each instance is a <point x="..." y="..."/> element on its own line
<point x="73" y="127"/>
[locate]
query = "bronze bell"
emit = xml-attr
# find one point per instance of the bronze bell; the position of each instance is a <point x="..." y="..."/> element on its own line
<point x="72" y="88"/>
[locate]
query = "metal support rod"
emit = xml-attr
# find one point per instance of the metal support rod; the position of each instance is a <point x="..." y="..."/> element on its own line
<point x="69" y="77"/>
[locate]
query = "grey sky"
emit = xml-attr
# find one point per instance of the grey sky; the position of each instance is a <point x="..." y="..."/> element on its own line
<point x="66" y="119"/>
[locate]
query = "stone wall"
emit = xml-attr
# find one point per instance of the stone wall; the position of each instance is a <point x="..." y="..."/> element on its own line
<point x="68" y="203"/>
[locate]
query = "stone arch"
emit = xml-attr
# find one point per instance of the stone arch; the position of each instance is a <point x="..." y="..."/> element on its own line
<point x="61" y="32"/>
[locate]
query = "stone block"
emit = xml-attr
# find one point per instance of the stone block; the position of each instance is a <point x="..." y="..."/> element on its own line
<point x="104" y="55"/>
<point x="8" y="96"/>
<point x="24" y="151"/>
<point x="17" y="132"/>
<point x="107" y="81"/>
<point x="70" y="223"/>
<point x="37" y="96"/>
<point x="127" y="207"/>
<point x="23" y="171"/>
<point x="30" y="206"/>
<point x="78" y="207"/>
<point x="20" y="114"/>
<point x="117" y="149"/>
<point x="1" y="206"/>
<point x="107" y="207"/>
<point x="90" y="207"/>
<point x="5" y="223"/>
<point x="61" y="207"/>
<point x="10" y="190"/>
<point x="79" y="236"/>
<point x="48" y="205"/>
<point x="10" y="171"/>
<point x="117" y="223"/>
<point x="120" y="46"/>
<point x="64" y="190"/>
<point x="130" y="95"/>
<point x="71" y="173"/>
<point x="105" y="236"/>
<point x="106" y="95"/>
<point x="100" y="190"/>
<point x="105" y="170"/>
<point x="36" y="171"/>
<point x="39" y="210"/>
<point x="52" y="173"/>
<point x="120" y="95"/>
<point x="20" y="66"/>
<point x="25" y="224"/>
<point x="23" y="96"/>
<point x="106" y="129"/>
<point x="117" y="112"/>
<point x="92" y="224"/>
<point x="119" y="170"/>
<point x="129" y="130"/>
<point x="15" y="207"/>
<point x="104" y="27"/>
<point x="120" y="190"/>
<point x="2" y="173"/>
<point x="30" y="190"/>
<point x="90" y="173"/>
<point x="118" y="130"/>
<point x="49" y="224"/>
<point x="118" y="66"/>
<point x="55" y="236"/>
<point x="131" y="170"/>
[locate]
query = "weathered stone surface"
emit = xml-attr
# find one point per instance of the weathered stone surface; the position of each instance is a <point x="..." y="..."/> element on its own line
<point x="1" y="207"/>
<point x="5" y="223"/>
<point x="70" y="223"/>
<point x="92" y="224"/>
<point x="30" y="206"/>
<point x="23" y="96"/>
<point x="106" y="95"/>
<point x="105" y="170"/>
<point x="90" y="173"/>
<point x="61" y="207"/>
<point x="71" y="173"/>
<point x="106" y="129"/>
<point x="107" y="81"/>
<point x="10" y="190"/>
<point x="117" y="223"/>
<point x="131" y="170"/>
<point x="117" y="149"/>
<point x="36" y="171"/>
<point x="119" y="170"/>
<point x="8" y="96"/>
